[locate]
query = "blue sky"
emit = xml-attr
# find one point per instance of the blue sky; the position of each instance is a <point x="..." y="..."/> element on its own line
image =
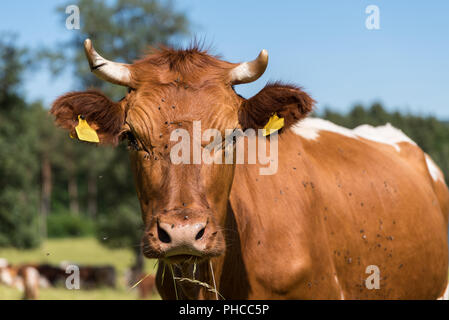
<point x="323" y="46"/>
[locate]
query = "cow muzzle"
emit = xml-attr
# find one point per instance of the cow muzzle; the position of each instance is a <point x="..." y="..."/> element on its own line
<point x="182" y="237"/>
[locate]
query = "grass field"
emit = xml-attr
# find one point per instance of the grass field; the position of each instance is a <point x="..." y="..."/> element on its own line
<point x="83" y="251"/>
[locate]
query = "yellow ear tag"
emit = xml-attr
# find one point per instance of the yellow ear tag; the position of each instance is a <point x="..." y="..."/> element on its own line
<point x="85" y="132"/>
<point x="274" y="124"/>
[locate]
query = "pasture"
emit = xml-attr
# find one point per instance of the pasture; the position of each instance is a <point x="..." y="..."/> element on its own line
<point x="83" y="251"/>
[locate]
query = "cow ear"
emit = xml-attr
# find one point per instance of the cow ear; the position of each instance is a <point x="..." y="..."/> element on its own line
<point x="287" y="101"/>
<point x="103" y="115"/>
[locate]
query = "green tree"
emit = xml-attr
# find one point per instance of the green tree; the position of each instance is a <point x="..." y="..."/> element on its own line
<point x="18" y="169"/>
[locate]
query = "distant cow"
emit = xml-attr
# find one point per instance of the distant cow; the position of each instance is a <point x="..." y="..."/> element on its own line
<point x="97" y="276"/>
<point x="147" y="287"/>
<point x="9" y="276"/>
<point x="341" y="202"/>
<point x="23" y="278"/>
<point x="31" y="282"/>
<point x="90" y="276"/>
<point x="55" y="275"/>
<point x="145" y="283"/>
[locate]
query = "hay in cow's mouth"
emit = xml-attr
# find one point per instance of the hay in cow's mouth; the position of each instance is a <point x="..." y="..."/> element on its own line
<point x="205" y="285"/>
<point x="192" y="280"/>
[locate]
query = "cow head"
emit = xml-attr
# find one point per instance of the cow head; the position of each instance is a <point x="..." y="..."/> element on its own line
<point x="183" y="205"/>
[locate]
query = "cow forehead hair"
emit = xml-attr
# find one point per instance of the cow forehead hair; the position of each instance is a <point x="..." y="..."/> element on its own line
<point x="194" y="64"/>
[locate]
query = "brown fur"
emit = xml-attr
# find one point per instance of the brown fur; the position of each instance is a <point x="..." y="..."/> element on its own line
<point x="147" y="287"/>
<point x="336" y="206"/>
<point x="288" y="101"/>
<point x="193" y="67"/>
<point x="30" y="277"/>
<point x="102" y="114"/>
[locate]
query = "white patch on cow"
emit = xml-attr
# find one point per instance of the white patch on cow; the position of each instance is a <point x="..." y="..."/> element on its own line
<point x="384" y="134"/>
<point x="310" y="128"/>
<point x="6" y="277"/>
<point x="18" y="284"/>
<point x="32" y="277"/>
<point x="342" y="296"/>
<point x="3" y="263"/>
<point x="434" y="171"/>
<point x="445" y="296"/>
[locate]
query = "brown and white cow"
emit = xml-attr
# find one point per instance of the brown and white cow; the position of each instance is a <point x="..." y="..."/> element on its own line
<point x="24" y="278"/>
<point x="344" y="206"/>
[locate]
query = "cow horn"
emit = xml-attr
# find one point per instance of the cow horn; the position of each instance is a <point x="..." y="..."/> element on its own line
<point x="250" y="71"/>
<point x="110" y="71"/>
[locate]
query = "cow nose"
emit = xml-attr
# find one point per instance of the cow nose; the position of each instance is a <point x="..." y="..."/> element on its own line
<point x="184" y="234"/>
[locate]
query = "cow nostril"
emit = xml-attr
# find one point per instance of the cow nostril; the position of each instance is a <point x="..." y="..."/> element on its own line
<point x="200" y="234"/>
<point x="163" y="235"/>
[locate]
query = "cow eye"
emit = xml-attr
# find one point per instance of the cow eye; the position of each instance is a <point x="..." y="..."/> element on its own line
<point x="132" y="141"/>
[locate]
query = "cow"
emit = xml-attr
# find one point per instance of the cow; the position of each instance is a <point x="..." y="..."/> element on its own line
<point x="25" y="278"/>
<point x="31" y="282"/>
<point x="55" y="275"/>
<point x="147" y="287"/>
<point x="9" y="275"/>
<point x="90" y="276"/>
<point x="97" y="276"/>
<point x="348" y="214"/>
